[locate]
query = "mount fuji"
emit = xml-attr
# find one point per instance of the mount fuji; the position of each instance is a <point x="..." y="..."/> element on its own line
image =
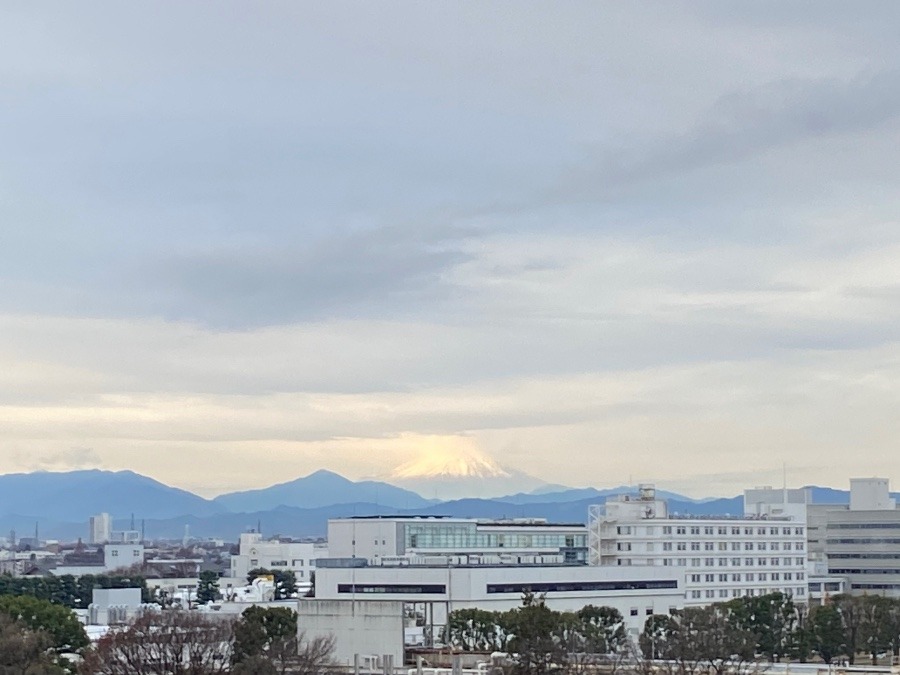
<point x="458" y="474"/>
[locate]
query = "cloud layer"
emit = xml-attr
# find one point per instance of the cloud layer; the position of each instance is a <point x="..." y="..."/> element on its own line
<point x="660" y="242"/>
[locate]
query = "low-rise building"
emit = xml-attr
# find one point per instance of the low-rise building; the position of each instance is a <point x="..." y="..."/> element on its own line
<point x="298" y="557"/>
<point x="394" y="539"/>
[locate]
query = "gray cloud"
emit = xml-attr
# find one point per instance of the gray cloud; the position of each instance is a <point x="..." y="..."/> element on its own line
<point x="299" y="232"/>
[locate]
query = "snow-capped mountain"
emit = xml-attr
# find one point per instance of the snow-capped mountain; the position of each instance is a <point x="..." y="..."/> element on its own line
<point x="459" y="473"/>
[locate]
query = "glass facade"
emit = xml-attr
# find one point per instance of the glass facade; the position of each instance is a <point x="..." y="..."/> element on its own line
<point x="468" y="536"/>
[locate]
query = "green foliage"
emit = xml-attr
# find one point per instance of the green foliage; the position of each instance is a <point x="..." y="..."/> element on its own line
<point x="69" y="591"/>
<point x="536" y="645"/>
<point x="208" y="587"/>
<point x="261" y="629"/>
<point x="62" y="627"/>
<point x="285" y="581"/>
<point x="476" y="630"/>
<point x="24" y="650"/>
<point x="827" y="632"/>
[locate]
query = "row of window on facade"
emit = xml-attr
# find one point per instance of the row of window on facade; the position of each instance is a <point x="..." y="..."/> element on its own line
<point x="719" y="562"/>
<point x="734" y="531"/>
<point x="711" y="594"/>
<point x="748" y="576"/>
<point x="717" y="546"/>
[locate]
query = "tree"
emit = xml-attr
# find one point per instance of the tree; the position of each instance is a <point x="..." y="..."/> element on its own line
<point x="207" y="587"/>
<point x="267" y="642"/>
<point x="852" y="612"/>
<point x="25" y="651"/>
<point x="478" y="630"/>
<point x="827" y="632"/>
<point x="285" y="581"/>
<point x="656" y="640"/>
<point x="174" y="642"/>
<point x="61" y="626"/>
<point x="535" y="646"/>
<point x="603" y="629"/>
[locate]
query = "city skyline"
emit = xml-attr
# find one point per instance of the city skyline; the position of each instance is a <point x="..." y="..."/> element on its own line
<point x="595" y="242"/>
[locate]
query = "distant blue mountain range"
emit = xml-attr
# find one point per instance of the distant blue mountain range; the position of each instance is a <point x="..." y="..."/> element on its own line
<point x="61" y="504"/>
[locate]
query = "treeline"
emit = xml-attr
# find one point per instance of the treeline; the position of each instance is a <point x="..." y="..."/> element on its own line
<point x="70" y="591"/>
<point x="262" y="641"/>
<point x="774" y="628"/>
<point x="715" y="638"/>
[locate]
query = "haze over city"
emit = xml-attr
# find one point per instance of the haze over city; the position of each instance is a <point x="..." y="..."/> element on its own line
<point x="597" y="243"/>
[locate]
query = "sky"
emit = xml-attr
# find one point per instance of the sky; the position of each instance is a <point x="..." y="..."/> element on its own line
<point x="601" y="242"/>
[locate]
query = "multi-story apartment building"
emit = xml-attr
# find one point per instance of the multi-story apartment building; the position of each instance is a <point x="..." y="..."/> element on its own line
<point x="859" y="542"/>
<point x="393" y="540"/>
<point x="276" y="554"/>
<point x="759" y="552"/>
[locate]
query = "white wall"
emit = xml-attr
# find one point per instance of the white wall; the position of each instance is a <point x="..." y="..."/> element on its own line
<point x="299" y="557"/>
<point x="358" y="627"/>
<point x="463" y="587"/>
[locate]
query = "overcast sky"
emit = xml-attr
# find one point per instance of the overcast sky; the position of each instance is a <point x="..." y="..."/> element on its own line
<point x="598" y="241"/>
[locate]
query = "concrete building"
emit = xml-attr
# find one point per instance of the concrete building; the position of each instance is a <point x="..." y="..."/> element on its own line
<point x="297" y="557"/>
<point x="637" y="592"/>
<point x="115" y="557"/>
<point x="859" y="542"/>
<point x="394" y="540"/>
<point x="364" y="629"/>
<point x="100" y="528"/>
<point x="717" y="557"/>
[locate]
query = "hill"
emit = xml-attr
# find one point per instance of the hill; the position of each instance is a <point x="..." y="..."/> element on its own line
<point x="319" y="489"/>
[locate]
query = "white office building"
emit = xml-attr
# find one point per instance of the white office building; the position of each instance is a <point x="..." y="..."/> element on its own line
<point x="637" y="592"/>
<point x="100" y="528"/>
<point x="394" y="540"/>
<point x="276" y="554"/>
<point x="859" y="542"/>
<point x="718" y="557"/>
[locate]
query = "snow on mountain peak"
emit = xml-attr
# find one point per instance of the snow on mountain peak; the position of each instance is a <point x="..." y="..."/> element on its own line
<point x="450" y="463"/>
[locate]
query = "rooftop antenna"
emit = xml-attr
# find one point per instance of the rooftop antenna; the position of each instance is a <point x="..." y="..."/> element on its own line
<point x="784" y="481"/>
<point x="36" y="537"/>
<point x="143" y="538"/>
<point x="132" y="523"/>
<point x="259" y="526"/>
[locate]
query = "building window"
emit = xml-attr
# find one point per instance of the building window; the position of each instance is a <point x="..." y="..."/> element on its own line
<point x="695" y="578"/>
<point x="748" y="546"/>
<point x="695" y="594"/>
<point x="763" y="576"/>
<point x="776" y="562"/>
<point x="735" y="562"/>
<point x="680" y="530"/>
<point x="695" y="530"/>
<point x="735" y="546"/>
<point x="695" y="545"/>
<point x="748" y="562"/>
<point x="773" y="531"/>
<point x="278" y="563"/>
<point x="681" y="546"/>
<point x="761" y="546"/>
<point x="749" y="576"/>
<point x="723" y="577"/>
<point x="735" y="577"/>
<point x="707" y="530"/>
<point x="298" y="562"/>
<point x="787" y="546"/>
<point x="710" y="578"/>
<point x="634" y="611"/>
<point x="667" y="546"/>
